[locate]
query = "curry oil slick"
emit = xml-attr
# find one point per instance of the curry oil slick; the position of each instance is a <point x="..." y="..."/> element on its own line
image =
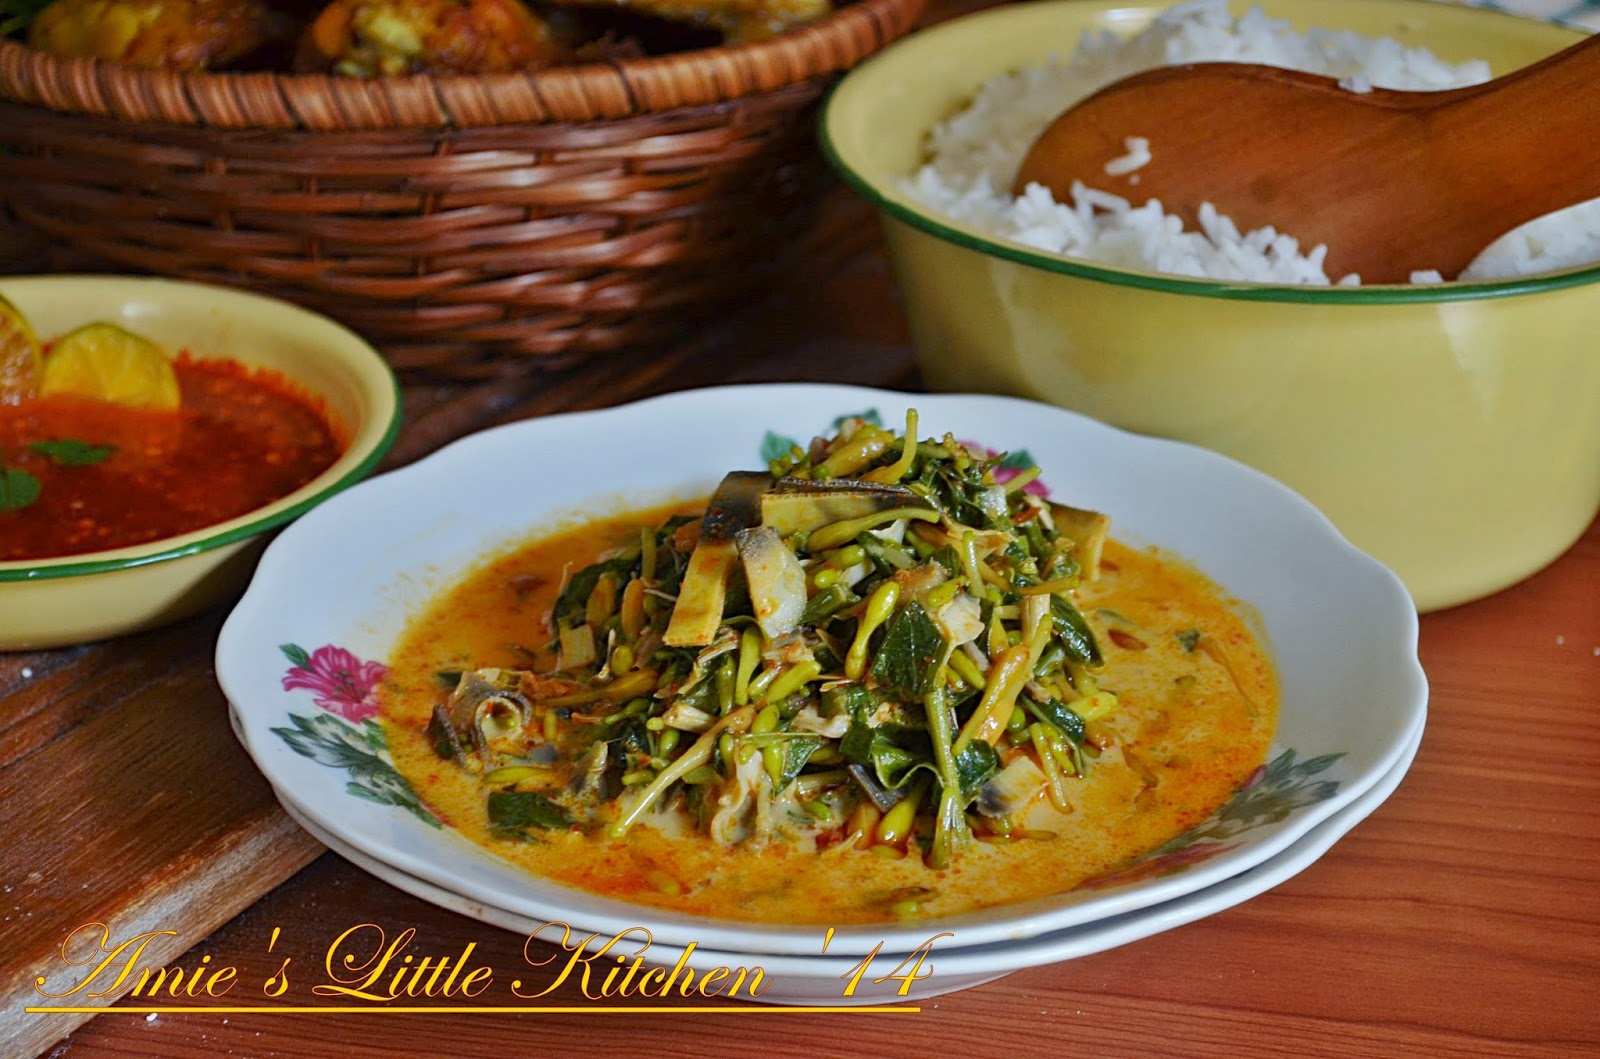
<point x="367" y="966"/>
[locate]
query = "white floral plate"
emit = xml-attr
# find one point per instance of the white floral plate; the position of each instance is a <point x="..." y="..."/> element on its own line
<point x="299" y="656"/>
<point x="822" y="980"/>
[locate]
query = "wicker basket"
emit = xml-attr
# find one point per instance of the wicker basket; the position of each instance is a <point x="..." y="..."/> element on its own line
<point x="470" y="226"/>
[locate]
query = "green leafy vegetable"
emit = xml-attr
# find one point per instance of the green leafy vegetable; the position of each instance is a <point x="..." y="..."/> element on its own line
<point x="948" y="558"/>
<point x="1076" y="636"/>
<point x="1190" y="639"/>
<point x="856" y="745"/>
<point x="975" y="764"/>
<point x="18" y="489"/>
<point x="855" y="700"/>
<point x="859" y="702"/>
<point x="827" y="603"/>
<point x="796" y="753"/>
<point x="893" y="761"/>
<point x="515" y="812"/>
<point x="908" y="660"/>
<point x="1052" y="711"/>
<point x="575" y="596"/>
<point x="70" y="452"/>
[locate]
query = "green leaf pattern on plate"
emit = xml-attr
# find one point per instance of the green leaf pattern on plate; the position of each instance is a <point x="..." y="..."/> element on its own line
<point x="1275" y="791"/>
<point x="346" y="735"/>
<point x="1272" y="793"/>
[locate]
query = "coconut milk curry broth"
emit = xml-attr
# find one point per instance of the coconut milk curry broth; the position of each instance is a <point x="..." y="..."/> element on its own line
<point x="1119" y="758"/>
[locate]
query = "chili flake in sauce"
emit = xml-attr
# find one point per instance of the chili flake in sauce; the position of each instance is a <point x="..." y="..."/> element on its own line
<point x="242" y="439"/>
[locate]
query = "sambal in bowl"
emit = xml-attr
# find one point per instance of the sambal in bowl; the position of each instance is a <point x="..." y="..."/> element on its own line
<point x="152" y="432"/>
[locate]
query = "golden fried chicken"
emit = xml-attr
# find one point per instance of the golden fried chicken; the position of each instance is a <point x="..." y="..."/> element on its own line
<point x="738" y="20"/>
<point x="173" y="34"/>
<point x="379" y="38"/>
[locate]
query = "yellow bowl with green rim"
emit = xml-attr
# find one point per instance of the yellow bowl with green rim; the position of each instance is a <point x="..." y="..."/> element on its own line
<point x="81" y="598"/>
<point x="1452" y="431"/>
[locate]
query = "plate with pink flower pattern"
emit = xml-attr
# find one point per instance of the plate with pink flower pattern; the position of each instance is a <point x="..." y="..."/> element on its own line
<point x="302" y="655"/>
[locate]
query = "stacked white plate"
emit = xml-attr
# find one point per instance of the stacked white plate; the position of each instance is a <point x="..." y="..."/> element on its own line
<point x="335" y="589"/>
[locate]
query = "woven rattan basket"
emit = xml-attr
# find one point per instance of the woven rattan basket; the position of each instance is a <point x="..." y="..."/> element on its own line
<point x="470" y="226"/>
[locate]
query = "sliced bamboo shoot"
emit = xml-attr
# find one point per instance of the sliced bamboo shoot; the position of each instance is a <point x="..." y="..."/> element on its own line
<point x="1087" y="530"/>
<point x="736" y="505"/>
<point x="698" y="612"/>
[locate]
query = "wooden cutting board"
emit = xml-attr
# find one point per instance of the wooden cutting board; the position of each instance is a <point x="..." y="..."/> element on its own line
<point x="136" y="807"/>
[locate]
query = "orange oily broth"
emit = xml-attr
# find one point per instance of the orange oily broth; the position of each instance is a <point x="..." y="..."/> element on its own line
<point x="1201" y="740"/>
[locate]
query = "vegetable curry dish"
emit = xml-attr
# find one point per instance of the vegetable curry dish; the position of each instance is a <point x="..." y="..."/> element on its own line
<point x="872" y="682"/>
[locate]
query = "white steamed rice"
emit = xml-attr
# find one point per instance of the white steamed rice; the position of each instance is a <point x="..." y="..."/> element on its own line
<point x="974" y="155"/>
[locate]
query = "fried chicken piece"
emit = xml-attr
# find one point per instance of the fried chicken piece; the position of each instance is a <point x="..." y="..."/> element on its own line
<point x="381" y="38"/>
<point x="173" y="34"/>
<point x="738" y="20"/>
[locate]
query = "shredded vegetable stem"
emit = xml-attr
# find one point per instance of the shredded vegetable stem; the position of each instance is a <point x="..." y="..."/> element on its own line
<point x="871" y="646"/>
<point x="908" y="453"/>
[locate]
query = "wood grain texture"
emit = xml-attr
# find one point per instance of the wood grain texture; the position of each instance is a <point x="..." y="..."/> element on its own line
<point x="127" y="803"/>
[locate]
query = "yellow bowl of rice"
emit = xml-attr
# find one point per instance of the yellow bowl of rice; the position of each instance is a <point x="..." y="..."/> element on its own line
<point x="1451" y="429"/>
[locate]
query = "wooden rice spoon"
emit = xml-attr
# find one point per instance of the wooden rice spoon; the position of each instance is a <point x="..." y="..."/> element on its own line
<point x="1390" y="181"/>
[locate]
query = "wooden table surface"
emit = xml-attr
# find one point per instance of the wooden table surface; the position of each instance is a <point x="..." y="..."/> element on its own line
<point x="1462" y="918"/>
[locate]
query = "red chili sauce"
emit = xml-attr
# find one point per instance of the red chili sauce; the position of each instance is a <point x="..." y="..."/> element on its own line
<point x="241" y="439"/>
